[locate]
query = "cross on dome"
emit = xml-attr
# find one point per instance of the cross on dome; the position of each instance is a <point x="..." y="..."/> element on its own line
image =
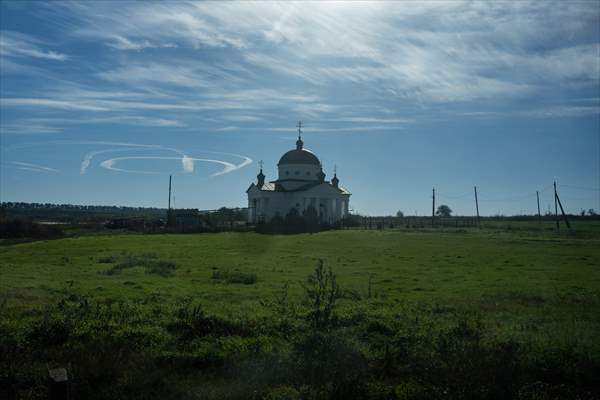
<point x="299" y="142"/>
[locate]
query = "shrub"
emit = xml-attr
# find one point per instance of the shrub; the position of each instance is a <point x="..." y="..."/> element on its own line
<point x="234" y="277"/>
<point x="53" y="329"/>
<point x="192" y="321"/>
<point x="109" y="259"/>
<point x="150" y="262"/>
<point x="321" y="292"/>
<point x="328" y="359"/>
<point x="160" y="267"/>
<point x="283" y="393"/>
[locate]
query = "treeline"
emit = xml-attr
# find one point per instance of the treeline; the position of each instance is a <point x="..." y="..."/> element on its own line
<point x="307" y="222"/>
<point x="22" y="205"/>
<point x="70" y="213"/>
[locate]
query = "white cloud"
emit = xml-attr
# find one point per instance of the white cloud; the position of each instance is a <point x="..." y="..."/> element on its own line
<point x="227" y="61"/>
<point x="187" y="164"/>
<point x="14" y="44"/>
<point x="562" y="111"/>
<point x="28" y="129"/>
<point x="122" y="43"/>
<point x="50" y="103"/>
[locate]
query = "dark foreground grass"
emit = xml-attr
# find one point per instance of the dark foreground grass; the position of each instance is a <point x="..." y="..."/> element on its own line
<point x="416" y="316"/>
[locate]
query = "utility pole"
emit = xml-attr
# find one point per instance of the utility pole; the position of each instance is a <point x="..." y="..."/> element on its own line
<point x="477" y="206"/>
<point x="562" y="210"/>
<point x="433" y="210"/>
<point x="556" y="208"/>
<point x="169" y="218"/>
<point x="537" y="194"/>
<point x="169" y="193"/>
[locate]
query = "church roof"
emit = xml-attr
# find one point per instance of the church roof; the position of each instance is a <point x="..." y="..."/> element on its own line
<point x="269" y="187"/>
<point x="274" y="186"/>
<point x="299" y="156"/>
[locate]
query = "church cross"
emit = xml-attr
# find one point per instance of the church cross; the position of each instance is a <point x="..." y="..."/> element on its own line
<point x="260" y="163"/>
<point x="335" y="169"/>
<point x="299" y="126"/>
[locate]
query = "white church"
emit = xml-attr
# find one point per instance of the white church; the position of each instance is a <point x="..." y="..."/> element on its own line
<point x="301" y="184"/>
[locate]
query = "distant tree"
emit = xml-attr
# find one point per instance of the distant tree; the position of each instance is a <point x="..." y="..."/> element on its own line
<point x="591" y="212"/>
<point x="443" y="211"/>
<point x="399" y="214"/>
<point x="276" y="225"/>
<point x="582" y="212"/>
<point x="311" y="219"/>
<point x="294" y="222"/>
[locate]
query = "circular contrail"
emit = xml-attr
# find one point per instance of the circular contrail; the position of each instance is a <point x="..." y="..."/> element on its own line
<point x="187" y="162"/>
<point x="110" y="164"/>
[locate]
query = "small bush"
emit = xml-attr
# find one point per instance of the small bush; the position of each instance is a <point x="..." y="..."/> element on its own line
<point x="283" y="393"/>
<point x="150" y="262"/>
<point x="322" y="292"/>
<point x="109" y="259"/>
<point x="161" y="267"/>
<point x="52" y="330"/>
<point x="234" y="277"/>
<point x="192" y="321"/>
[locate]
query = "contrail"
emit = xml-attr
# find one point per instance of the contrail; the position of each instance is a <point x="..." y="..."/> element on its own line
<point x="247" y="160"/>
<point x="30" y="166"/>
<point x="188" y="166"/>
<point x="110" y="164"/>
<point x="187" y="162"/>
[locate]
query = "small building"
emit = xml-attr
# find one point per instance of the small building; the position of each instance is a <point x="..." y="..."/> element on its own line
<point x="300" y="184"/>
<point x="131" y="223"/>
<point x="184" y="219"/>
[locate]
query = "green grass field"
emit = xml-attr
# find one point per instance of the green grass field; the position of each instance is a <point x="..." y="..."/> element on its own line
<point x="537" y="291"/>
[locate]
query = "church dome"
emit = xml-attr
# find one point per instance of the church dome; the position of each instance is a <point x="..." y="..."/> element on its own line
<point x="299" y="156"/>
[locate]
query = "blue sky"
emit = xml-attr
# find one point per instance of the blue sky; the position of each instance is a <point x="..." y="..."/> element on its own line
<point x="101" y="101"/>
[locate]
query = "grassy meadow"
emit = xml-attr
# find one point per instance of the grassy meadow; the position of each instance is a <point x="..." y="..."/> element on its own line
<point x="411" y="315"/>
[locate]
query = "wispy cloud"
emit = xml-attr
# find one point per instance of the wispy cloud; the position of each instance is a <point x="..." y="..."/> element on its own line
<point x="29" y="166"/>
<point x="562" y="111"/>
<point x="51" y="103"/>
<point x="222" y="64"/>
<point x="439" y="51"/>
<point x="28" y="129"/>
<point x="122" y="43"/>
<point x="15" y="44"/>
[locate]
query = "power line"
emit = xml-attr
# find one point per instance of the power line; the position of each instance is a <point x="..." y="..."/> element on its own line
<point x="579" y="187"/>
<point x="468" y="194"/>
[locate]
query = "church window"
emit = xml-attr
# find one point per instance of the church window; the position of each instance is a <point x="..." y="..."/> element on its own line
<point x="287" y="172"/>
<point x="297" y="173"/>
<point x="307" y="173"/>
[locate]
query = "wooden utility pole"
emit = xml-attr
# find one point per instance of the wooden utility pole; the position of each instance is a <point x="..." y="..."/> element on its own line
<point x="556" y="208"/>
<point x="562" y="210"/>
<point x="169" y="193"/>
<point x="477" y="206"/>
<point x="537" y="194"/>
<point x="433" y="210"/>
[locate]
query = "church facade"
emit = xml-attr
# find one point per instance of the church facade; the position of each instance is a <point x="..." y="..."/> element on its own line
<point x="300" y="184"/>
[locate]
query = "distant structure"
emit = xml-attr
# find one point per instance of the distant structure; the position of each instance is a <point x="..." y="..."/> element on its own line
<point x="301" y="185"/>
